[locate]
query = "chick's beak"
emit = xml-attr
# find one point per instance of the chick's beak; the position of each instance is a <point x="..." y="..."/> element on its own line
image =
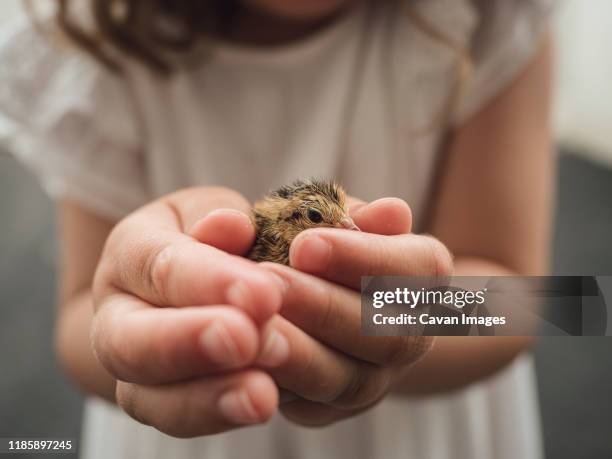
<point x="348" y="223"/>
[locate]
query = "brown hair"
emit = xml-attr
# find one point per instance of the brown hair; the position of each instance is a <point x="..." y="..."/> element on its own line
<point x="143" y="28"/>
<point x="146" y="30"/>
<point x="151" y="30"/>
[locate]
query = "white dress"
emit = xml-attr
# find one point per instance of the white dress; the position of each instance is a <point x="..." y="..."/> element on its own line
<point x="350" y="102"/>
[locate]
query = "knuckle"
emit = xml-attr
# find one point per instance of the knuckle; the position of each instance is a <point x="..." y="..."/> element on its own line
<point x="127" y="397"/>
<point x="135" y="259"/>
<point x="115" y="356"/>
<point x="441" y="259"/>
<point x="325" y="320"/>
<point x="364" y="387"/>
<point x="119" y="359"/>
<point x="420" y="345"/>
<point x="100" y="284"/>
<point x="378" y="258"/>
<point x="101" y="344"/>
<point x="115" y="238"/>
<point x="312" y="385"/>
<point x="119" y="238"/>
<point x="390" y="259"/>
<point x="97" y="341"/>
<point x="352" y="392"/>
<point x="185" y="417"/>
<point x="405" y="350"/>
<point x="163" y="348"/>
<point x="395" y="351"/>
<point x="106" y="274"/>
<point x="181" y="419"/>
<point x="155" y="272"/>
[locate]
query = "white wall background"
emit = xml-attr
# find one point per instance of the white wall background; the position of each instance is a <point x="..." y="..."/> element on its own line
<point x="8" y="8"/>
<point x="583" y="112"/>
<point x="584" y="79"/>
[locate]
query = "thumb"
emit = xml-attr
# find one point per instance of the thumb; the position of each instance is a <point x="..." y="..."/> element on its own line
<point x="227" y="229"/>
<point x="216" y="216"/>
<point x="386" y="216"/>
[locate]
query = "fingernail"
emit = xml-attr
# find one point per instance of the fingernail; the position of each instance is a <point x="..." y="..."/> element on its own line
<point x="220" y="347"/>
<point x="314" y="254"/>
<point x="237" y="408"/>
<point x="238" y="295"/>
<point x="275" y="350"/>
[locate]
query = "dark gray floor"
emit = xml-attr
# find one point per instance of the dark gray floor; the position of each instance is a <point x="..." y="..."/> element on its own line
<point x="575" y="374"/>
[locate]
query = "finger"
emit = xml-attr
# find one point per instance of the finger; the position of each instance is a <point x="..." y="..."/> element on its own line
<point x="387" y="216"/>
<point x="168" y="269"/>
<point x="141" y="344"/>
<point x="344" y="257"/>
<point x="332" y="315"/>
<point x="149" y="255"/>
<point x="194" y="204"/>
<point x="203" y="406"/>
<point x="226" y="229"/>
<point x="313" y="414"/>
<point x="317" y="372"/>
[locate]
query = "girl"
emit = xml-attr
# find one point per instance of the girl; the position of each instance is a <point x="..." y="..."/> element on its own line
<point x="165" y="118"/>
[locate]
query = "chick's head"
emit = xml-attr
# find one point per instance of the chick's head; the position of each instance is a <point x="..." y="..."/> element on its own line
<point x="304" y="205"/>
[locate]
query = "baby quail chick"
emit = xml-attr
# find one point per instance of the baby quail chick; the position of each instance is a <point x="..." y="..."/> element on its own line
<point x="282" y="214"/>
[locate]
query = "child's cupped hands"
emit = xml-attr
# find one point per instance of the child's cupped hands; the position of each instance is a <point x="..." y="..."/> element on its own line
<point x="186" y="369"/>
<point x="336" y="371"/>
<point x="190" y="370"/>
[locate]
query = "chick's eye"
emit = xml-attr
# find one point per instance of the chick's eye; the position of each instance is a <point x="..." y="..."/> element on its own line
<point x="315" y="216"/>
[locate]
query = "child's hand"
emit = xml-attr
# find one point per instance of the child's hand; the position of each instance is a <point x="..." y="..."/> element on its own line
<point x="150" y="331"/>
<point x="332" y="367"/>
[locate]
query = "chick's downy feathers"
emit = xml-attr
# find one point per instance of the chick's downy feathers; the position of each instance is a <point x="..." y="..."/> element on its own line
<point x="282" y="214"/>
